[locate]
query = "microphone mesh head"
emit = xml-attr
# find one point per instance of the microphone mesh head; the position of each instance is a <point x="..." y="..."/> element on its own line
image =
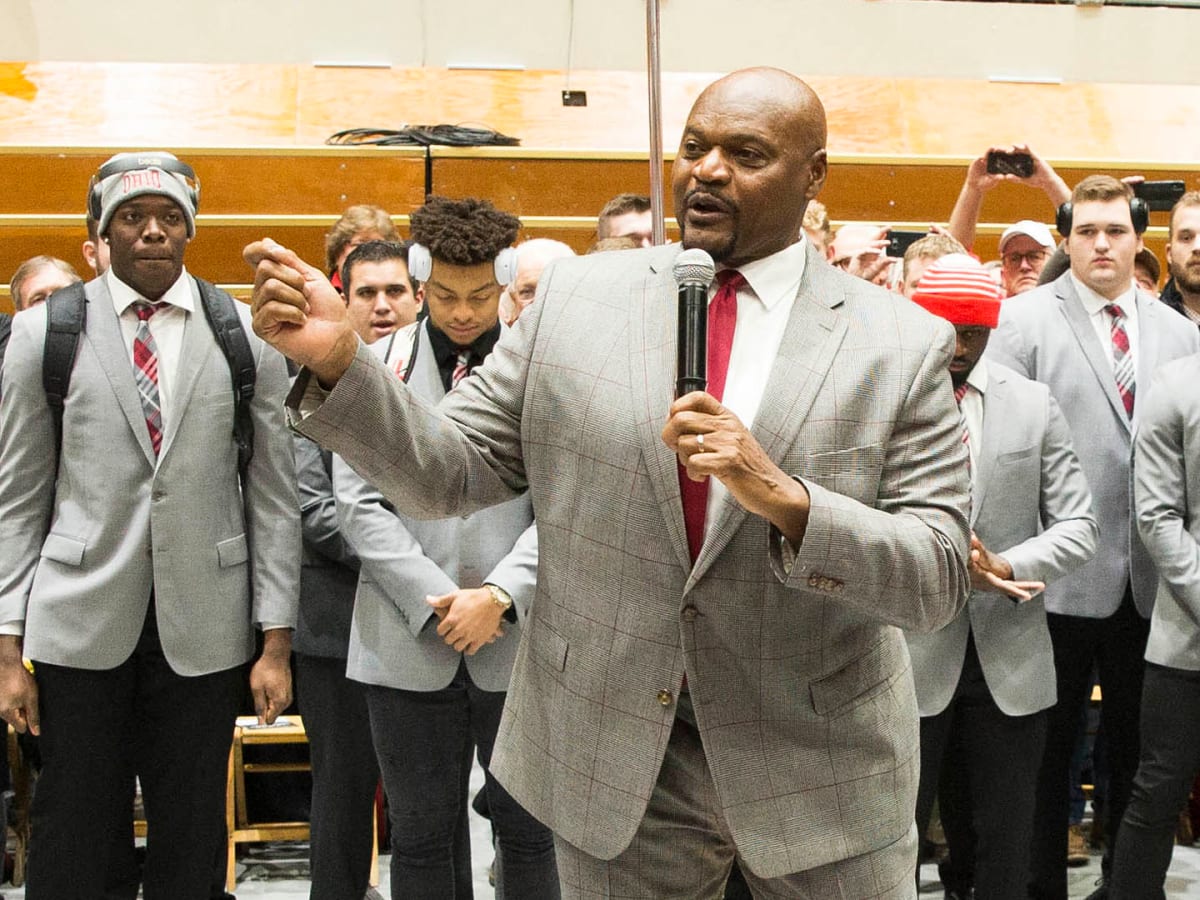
<point x="694" y="266"/>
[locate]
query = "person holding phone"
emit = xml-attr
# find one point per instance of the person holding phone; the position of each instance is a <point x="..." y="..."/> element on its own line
<point x="1013" y="163"/>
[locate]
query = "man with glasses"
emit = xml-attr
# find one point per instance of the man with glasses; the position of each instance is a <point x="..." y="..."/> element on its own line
<point x="1024" y="249"/>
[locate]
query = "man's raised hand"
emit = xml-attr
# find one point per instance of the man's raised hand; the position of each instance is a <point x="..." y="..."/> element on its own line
<point x="298" y="312"/>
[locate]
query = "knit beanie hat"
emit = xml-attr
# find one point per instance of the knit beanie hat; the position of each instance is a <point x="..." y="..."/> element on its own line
<point x="149" y="178"/>
<point x="958" y="289"/>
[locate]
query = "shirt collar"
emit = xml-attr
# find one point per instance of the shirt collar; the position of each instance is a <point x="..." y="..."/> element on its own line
<point x="776" y="278"/>
<point x="123" y="296"/>
<point x="1093" y="303"/>
<point x="978" y="377"/>
<point x="444" y="349"/>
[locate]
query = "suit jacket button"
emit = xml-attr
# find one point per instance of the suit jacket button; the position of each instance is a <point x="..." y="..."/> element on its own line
<point x="689" y="613"/>
<point x="665" y="698"/>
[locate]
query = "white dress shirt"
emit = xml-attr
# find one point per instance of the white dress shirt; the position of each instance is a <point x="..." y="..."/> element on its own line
<point x="166" y="327"/>
<point x="763" y="308"/>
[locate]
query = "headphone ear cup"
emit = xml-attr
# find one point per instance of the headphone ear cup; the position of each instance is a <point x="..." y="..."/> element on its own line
<point x="1062" y="220"/>
<point x="94" y="209"/>
<point x="420" y="263"/>
<point x="1139" y="214"/>
<point x="506" y="266"/>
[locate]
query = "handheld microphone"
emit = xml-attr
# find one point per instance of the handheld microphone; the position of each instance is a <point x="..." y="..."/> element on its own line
<point x="694" y="271"/>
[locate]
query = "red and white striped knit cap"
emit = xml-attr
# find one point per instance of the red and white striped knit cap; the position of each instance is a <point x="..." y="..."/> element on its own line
<point x="958" y="289"/>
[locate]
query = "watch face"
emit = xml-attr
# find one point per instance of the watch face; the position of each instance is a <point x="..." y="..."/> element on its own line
<point x="500" y="596"/>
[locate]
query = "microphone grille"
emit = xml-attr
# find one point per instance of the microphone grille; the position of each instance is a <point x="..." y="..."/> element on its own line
<point x="694" y="266"/>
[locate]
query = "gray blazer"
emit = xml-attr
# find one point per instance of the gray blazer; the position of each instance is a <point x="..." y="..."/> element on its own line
<point x="393" y="637"/>
<point x="1045" y="335"/>
<point x="1030" y="504"/>
<point x="80" y="554"/>
<point x="329" y="570"/>
<point x="1166" y="484"/>
<point x="800" y="677"/>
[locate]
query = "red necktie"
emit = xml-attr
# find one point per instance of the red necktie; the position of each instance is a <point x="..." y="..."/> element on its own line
<point x="722" y="320"/>
<point x="1122" y="358"/>
<point x="145" y="370"/>
<point x="959" y="393"/>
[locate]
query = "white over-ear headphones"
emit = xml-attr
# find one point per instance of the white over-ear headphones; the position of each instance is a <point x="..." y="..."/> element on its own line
<point x="420" y="264"/>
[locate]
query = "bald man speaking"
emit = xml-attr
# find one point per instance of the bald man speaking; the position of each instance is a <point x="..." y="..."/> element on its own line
<point x="712" y="667"/>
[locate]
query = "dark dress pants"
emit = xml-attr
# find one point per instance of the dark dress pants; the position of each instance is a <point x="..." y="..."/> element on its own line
<point x="1116" y="647"/>
<point x="344" y="777"/>
<point x="420" y="737"/>
<point x="1170" y="760"/>
<point x="99" y="730"/>
<point x="986" y="764"/>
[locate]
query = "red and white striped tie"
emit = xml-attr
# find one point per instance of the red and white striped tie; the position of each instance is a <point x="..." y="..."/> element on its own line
<point x="1122" y="358"/>
<point x="959" y="393"/>
<point x="145" y="370"/>
<point x="460" y="368"/>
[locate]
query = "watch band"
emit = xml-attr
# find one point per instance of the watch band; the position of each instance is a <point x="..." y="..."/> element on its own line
<point x="500" y="597"/>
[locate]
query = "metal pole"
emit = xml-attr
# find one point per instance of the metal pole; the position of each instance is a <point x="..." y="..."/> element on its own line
<point x="656" y="145"/>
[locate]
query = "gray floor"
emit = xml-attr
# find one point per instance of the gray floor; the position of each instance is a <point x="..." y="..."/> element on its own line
<point x="284" y="877"/>
<point x="1183" y="878"/>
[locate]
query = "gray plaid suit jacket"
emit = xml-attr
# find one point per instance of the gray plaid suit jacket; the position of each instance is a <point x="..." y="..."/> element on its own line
<point x="800" y="679"/>
<point x="1030" y="504"/>
<point x="81" y="548"/>
<point x="1045" y="334"/>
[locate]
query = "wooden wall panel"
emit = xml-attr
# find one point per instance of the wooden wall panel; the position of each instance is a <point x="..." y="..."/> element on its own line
<point x="542" y="185"/>
<point x="290" y="181"/>
<point x="215" y="254"/>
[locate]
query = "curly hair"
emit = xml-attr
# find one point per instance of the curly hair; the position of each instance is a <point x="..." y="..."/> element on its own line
<point x="463" y="232"/>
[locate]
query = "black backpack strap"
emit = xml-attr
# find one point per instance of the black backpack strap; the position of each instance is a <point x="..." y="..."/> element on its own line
<point x="65" y="313"/>
<point x="227" y="328"/>
<point x="406" y="376"/>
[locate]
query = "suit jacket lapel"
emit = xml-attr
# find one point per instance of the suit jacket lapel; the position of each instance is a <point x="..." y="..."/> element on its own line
<point x="197" y="346"/>
<point x="813" y="334"/>
<point x="652" y="366"/>
<point x="103" y="332"/>
<point x="1081" y="326"/>
<point x="1148" y="311"/>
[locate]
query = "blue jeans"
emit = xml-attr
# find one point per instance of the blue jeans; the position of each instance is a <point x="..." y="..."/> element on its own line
<point x="420" y="738"/>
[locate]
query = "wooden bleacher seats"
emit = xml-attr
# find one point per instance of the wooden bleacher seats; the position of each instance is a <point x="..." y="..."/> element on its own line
<point x="898" y="147"/>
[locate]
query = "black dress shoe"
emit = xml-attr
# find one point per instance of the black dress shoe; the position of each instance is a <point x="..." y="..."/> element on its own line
<point x="1101" y="891"/>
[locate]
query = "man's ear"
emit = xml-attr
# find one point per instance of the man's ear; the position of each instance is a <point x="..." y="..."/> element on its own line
<point x="818" y="167"/>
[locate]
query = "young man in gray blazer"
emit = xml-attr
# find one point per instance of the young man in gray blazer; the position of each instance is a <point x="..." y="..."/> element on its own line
<point x="440" y="602"/>
<point x="985" y="681"/>
<point x="135" y="567"/>
<point x="1094" y="338"/>
<point x="836" y="511"/>
<point x="380" y="297"/>
<point x="1166" y="486"/>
